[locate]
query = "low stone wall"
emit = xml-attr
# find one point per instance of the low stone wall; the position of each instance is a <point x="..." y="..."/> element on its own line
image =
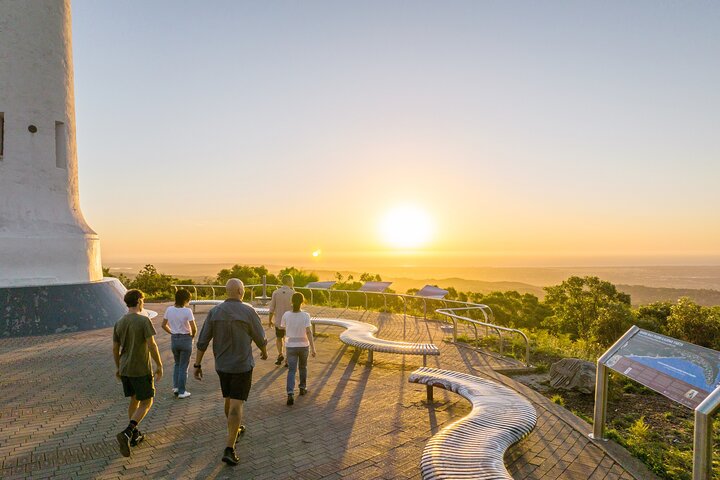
<point x="60" y="308"/>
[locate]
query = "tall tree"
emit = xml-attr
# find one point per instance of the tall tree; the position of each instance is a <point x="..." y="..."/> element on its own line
<point x="578" y="303"/>
<point x="300" y="276"/>
<point x="695" y="324"/>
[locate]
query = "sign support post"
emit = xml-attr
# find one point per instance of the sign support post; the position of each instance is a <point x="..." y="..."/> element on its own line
<point x="703" y="437"/>
<point x="601" y="386"/>
<point x="601" y="391"/>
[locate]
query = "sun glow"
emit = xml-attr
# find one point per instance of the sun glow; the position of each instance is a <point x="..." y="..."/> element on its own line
<point x="406" y="227"/>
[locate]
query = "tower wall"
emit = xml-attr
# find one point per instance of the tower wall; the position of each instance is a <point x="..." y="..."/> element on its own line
<point x="44" y="239"/>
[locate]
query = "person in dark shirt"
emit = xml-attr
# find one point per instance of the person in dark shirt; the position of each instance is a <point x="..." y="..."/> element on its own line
<point x="232" y="326"/>
<point x="133" y="345"/>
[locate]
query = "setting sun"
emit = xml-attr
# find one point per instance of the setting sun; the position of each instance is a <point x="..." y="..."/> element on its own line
<point x="406" y="227"/>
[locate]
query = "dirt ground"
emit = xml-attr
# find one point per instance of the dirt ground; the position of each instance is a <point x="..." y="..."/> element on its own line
<point x="628" y="401"/>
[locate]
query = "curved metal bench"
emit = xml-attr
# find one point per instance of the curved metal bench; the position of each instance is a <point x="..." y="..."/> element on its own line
<point x="474" y="446"/>
<point x="194" y="303"/>
<point x="361" y="335"/>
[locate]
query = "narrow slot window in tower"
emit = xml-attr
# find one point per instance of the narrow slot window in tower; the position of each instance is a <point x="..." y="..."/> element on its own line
<point x="60" y="145"/>
<point x="2" y="133"/>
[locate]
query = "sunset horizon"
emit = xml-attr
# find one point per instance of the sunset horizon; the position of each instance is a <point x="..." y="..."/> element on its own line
<point x="471" y="132"/>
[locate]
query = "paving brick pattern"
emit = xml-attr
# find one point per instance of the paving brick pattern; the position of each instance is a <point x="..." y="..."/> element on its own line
<point x="61" y="406"/>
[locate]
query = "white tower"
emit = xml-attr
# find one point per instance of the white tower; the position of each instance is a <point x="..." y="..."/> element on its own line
<point x="44" y="239"/>
<point x="43" y="236"/>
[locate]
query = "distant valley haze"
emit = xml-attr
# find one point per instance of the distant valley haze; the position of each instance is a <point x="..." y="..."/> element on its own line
<point x="646" y="284"/>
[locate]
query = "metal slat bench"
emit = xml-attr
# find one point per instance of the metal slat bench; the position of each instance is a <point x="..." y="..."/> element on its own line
<point x="194" y="303"/>
<point x="361" y="335"/>
<point x="474" y="446"/>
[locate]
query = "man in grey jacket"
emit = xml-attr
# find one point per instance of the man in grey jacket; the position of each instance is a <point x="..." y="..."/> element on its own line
<point x="232" y="326"/>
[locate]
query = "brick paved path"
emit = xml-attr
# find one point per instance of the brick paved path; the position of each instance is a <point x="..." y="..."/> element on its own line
<point x="60" y="408"/>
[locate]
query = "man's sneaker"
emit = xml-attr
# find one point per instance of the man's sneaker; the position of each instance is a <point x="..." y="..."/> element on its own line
<point x="291" y="399"/>
<point x="241" y="431"/>
<point x="303" y="391"/>
<point x="230" y="457"/>
<point x="279" y="360"/>
<point x="184" y="395"/>
<point x="137" y="438"/>
<point x="123" y="439"/>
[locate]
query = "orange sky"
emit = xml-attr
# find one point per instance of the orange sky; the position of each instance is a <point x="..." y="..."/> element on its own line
<point x="537" y="133"/>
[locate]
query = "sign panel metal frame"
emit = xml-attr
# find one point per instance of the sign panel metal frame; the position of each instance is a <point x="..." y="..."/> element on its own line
<point x="659" y="374"/>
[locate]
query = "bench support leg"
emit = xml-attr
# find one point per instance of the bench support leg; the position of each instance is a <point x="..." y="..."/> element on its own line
<point x="429" y="390"/>
<point x="424" y="360"/>
<point x="370" y="357"/>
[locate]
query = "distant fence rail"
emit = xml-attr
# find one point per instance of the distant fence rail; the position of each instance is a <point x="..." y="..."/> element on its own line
<point x="451" y="309"/>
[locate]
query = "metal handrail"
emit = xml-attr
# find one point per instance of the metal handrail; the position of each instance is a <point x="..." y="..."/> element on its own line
<point x="448" y="311"/>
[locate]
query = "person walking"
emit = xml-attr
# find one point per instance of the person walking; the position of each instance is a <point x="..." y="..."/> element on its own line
<point x="298" y="344"/>
<point x="280" y="302"/>
<point x="133" y="345"/>
<point x="232" y="326"/>
<point x="179" y="322"/>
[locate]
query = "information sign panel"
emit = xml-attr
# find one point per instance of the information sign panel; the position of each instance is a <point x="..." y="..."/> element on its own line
<point x="378" y="287"/>
<point x="432" y="292"/>
<point x="681" y="371"/>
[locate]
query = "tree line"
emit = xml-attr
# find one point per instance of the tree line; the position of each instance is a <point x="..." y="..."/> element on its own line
<point x="584" y="308"/>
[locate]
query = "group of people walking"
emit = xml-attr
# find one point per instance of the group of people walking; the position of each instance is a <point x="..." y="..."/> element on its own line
<point x="232" y="327"/>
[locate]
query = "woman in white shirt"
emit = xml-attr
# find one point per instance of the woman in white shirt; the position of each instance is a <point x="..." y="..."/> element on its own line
<point x="179" y="322"/>
<point x="298" y="343"/>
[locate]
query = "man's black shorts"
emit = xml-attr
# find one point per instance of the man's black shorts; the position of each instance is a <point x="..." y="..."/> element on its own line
<point x="235" y="385"/>
<point x="279" y="332"/>
<point x="141" y="387"/>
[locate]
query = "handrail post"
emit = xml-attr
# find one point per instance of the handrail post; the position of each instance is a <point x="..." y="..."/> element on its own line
<point x="527" y="348"/>
<point x="424" y="309"/>
<point x="347" y="302"/>
<point x="366" y="301"/>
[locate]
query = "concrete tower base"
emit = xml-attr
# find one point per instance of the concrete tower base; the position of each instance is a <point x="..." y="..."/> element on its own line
<point x="48" y="309"/>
